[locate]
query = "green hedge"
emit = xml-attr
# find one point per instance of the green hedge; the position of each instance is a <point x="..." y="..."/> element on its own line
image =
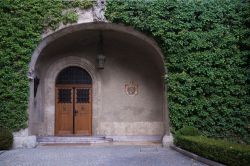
<point x="188" y="131"/>
<point x="218" y="150"/>
<point x="6" y="138"/>
<point x="21" y="24"/>
<point x="206" y="47"/>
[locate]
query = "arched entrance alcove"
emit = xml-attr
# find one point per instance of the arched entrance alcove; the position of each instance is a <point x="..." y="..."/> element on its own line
<point x="128" y="94"/>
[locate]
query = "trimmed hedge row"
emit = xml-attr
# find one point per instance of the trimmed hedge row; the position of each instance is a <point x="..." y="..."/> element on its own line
<point x="6" y="138"/>
<point x="218" y="150"/>
<point x="188" y="131"/>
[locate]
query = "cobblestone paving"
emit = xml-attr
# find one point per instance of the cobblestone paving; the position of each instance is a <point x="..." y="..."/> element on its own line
<point x="96" y="156"/>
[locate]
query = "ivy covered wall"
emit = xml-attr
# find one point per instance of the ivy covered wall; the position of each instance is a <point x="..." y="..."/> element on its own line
<point x="21" y="24"/>
<point x="206" y="46"/>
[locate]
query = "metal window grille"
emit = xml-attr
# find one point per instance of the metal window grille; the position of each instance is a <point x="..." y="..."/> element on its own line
<point x="64" y="95"/>
<point x="82" y="95"/>
<point x="73" y="75"/>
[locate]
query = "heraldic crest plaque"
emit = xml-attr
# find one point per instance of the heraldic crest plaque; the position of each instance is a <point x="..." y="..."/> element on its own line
<point x="131" y="88"/>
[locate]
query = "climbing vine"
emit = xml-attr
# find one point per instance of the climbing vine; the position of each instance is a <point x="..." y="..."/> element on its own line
<point x="205" y="43"/>
<point x="21" y="24"/>
<point x="206" y="47"/>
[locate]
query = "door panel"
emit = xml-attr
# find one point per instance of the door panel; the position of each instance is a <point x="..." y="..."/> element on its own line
<point x="83" y="114"/>
<point x="64" y="114"/>
<point x="73" y="110"/>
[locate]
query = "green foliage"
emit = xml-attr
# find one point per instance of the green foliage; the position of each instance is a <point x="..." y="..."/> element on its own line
<point x="21" y="26"/>
<point x="188" y="131"/>
<point x="206" y="47"/>
<point x="219" y="150"/>
<point x="82" y="4"/>
<point x="69" y="17"/>
<point x="6" y="138"/>
<point x="205" y="43"/>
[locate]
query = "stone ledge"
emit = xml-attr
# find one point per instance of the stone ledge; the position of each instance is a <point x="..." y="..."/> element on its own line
<point x="130" y="138"/>
<point x="24" y="142"/>
<point x="196" y="157"/>
<point x="167" y="140"/>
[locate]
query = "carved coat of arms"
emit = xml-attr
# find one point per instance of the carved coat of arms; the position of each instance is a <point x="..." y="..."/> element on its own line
<point x="131" y="88"/>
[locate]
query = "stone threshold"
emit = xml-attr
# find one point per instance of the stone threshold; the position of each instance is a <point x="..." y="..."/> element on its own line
<point x="130" y="143"/>
<point x="196" y="157"/>
<point x="72" y="140"/>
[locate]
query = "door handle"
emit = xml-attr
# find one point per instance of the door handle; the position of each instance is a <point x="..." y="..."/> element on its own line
<point x="75" y="111"/>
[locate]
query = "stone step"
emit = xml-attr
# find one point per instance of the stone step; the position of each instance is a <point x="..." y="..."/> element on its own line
<point x="68" y="139"/>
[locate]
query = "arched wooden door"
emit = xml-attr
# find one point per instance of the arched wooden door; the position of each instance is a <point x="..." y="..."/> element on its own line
<point x="73" y="102"/>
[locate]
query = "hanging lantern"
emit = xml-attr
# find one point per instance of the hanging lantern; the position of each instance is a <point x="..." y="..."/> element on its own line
<point x="101" y="61"/>
<point x="100" y="56"/>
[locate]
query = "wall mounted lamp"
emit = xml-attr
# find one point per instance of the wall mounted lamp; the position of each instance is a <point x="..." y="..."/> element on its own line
<point x="36" y="83"/>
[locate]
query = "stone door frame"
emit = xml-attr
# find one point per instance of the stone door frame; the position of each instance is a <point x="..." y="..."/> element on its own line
<point x="49" y="89"/>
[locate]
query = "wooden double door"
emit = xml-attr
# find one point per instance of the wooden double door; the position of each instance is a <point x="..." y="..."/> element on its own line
<point x="73" y="110"/>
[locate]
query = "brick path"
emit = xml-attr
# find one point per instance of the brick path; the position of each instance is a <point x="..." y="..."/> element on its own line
<point x="95" y="156"/>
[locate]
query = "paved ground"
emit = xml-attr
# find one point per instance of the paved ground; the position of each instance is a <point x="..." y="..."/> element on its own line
<point x="96" y="156"/>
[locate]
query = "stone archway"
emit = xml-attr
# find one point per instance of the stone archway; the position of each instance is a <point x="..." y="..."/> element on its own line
<point x="133" y="58"/>
<point x="48" y="86"/>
